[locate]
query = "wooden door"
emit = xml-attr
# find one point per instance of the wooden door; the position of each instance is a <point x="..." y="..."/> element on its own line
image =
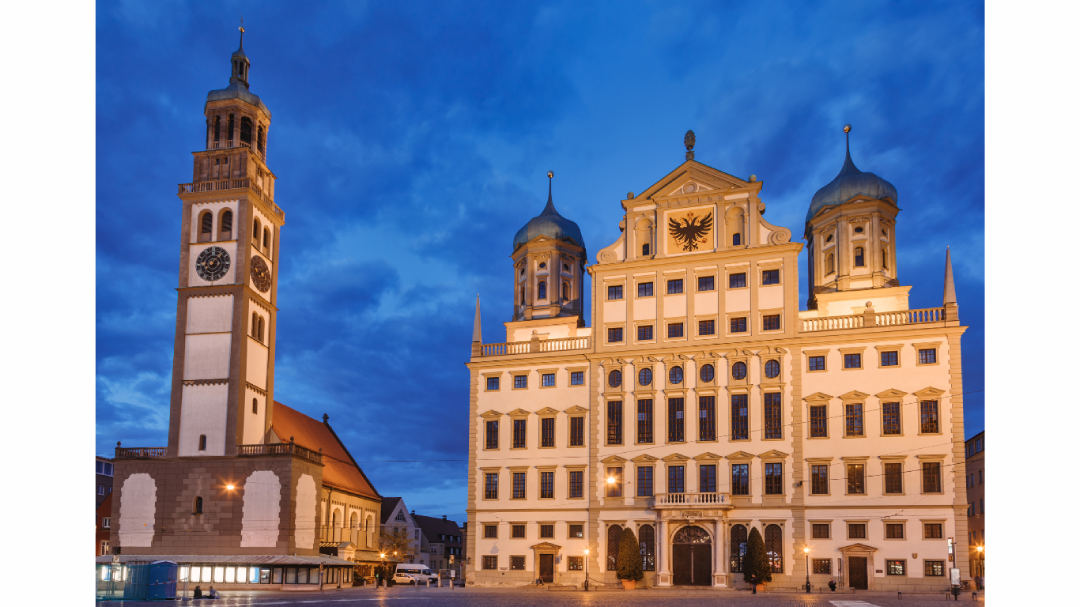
<point x="857" y="572"/>
<point x="547" y="568"/>
<point x="682" y="564"/>
<point x="702" y="557"/>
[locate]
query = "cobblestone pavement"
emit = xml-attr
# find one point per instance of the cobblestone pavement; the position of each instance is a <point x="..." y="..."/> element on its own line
<point x="490" y="597"/>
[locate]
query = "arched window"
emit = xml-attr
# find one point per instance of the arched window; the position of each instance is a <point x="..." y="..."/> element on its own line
<point x="217" y="129"/>
<point x="614" y="379"/>
<point x="566" y="291"/>
<point x="226" y="226"/>
<point x="541" y="290"/>
<point x="830" y="264"/>
<point x="859" y="257"/>
<point x="266" y="240"/>
<point x="885" y="258"/>
<point x="255" y="325"/>
<point x="255" y="232"/>
<point x="738" y="547"/>
<point x="522" y="295"/>
<point x="202" y="442"/>
<point x="196" y="508"/>
<point x="614" y="533"/>
<point x="261" y="328"/>
<point x="647" y="536"/>
<point x="206" y="226"/>
<point x="354" y="521"/>
<point x="255" y="406"/>
<point x="333" y="518"/>
<point x="774" y="548"/>
<point x="230" y="133"/>
<point x="736" y="239"/>
<point x="675" y="376"/>
<point x="262" y="146"/>
<point x="245" y="130"/>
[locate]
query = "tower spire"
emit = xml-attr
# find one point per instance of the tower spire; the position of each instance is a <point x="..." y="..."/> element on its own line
<point x="950" y="289"/>
<point x="476" y="323"/>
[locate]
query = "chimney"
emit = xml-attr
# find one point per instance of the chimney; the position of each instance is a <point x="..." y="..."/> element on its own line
<point x="444" y="517"/>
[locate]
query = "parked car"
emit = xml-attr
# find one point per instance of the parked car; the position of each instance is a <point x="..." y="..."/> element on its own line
<point x="418" y="571"/>
<point x="404" y="578"/>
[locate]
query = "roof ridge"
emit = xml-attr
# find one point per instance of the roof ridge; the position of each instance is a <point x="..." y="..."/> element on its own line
<point x="351" y="459"/>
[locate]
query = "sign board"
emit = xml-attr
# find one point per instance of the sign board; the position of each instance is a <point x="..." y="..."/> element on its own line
<point x="954" y="576"/>
<point x="116" y="559"/>
<point x="453" y="574"/>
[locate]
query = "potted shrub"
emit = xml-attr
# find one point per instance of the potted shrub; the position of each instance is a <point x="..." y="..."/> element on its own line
<point x="756" y="569"/>
<point x="628" y="561"/>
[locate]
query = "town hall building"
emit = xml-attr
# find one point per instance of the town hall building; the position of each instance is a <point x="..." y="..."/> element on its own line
<point x="702" y="402"/>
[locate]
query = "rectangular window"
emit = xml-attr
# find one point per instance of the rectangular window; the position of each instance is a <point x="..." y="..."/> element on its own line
<point x="740" y="421"/>
<point x="577" y="378"/>
<point x="706" y="283"/>
<point x="980" y="477"/>
<point x="674" y="329"/>
<point x="519" y="486"/>
<point x="737" y="281"/>
<point x="856" y="479"/>
<point x="770" y="322"/>
<point x="614" y="336"/>
<point x="675" y="421"/>
<point x="517" y="531"/>
<point x="577" y="431"/>
<point x="614" y="422"/>
<point x="577" y="531"/>
<point x="706" y="418"/>
<point x="493" y="383"/>
<point x="928" y="417"/>
<point x="547" y="485"/>
<point x="491" y="434"/>
<point x="547" y="380"/>
<point x="819" y="479"/>
<point x="853" y="361"/>
<point x="491" y="531"/>
<point x="614" y="292"/>
<point x="934" y="568"/>
<point x="707" y="478"/>
<point x="931" y="477"/>
<point x="645" y="249"/>
<point x="740" y="479"/>
<point x="644" y="481"/>
<point x="644" y="333"/>
<point x="675" y="478"/>
<point x="817" y="363"/>
<point x="577" y="483"/>
<point x="576" y="563"/>
<point x="547" y="531"/>
<point x="932" y="531"/>
<point x="890" y="359"/>
<point x="856" y="531"/>
<point x="521" y="381"/>
<point x="773" y="428"/>
<point x="517" y="563"/>
<point x="894" y="477"/>
<point x="770" y="277"/>
<point x="738" y="325"/>
<point x="106" y="522"/>
<point x="519" y="433"/>
<point x="707" y="327"/>
<point x="547" y="432"/>
<point x="895" y="567"/>
<point x="644" y="421"/>
<point x="644" y="289"/>
<point x="614" y="489"/>
<point x="928" y="356"/>
<point x="890" y="416"/>
<point x="491" y="562"/>
<point x="821" y="531"/>
<point x="674" y="287"/>
<point x="101" y="490"/>
<point x="894" y="531"/>
<point x="774" y="479"/>
<point x="823" y="566"/>
<point x="819" y="427"/>
<point x="853" y="421"/>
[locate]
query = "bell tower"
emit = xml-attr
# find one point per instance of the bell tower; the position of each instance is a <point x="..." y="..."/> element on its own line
<point x="223" y="362"/>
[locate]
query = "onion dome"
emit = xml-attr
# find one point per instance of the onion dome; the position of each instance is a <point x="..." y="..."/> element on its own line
<point x="549" y="223"/>
<point x="238" y="82"/>
<point x="850" y="183"/>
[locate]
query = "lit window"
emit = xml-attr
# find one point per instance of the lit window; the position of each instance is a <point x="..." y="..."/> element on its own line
<point x="895" y="567"/>
<point x="856" y="479"/>
<point x="934" y="568"/>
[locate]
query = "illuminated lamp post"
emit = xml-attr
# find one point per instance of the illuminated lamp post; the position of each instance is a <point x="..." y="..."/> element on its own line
<point x="586" y="570"/>
<point x="806" y="551"/>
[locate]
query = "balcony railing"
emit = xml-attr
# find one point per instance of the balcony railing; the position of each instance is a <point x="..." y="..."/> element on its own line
<point x="536" y="345"/>
<point x="873" y="319"/>
<point x="139" y="452"/>
<point x="280" y="449"/>
<point x="231" y="184"/>
<point x="337" y="535"/>
<point x="682" y="500"/>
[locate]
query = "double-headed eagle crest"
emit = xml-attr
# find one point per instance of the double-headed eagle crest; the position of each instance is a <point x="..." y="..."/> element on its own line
<point x="691" y="232"/>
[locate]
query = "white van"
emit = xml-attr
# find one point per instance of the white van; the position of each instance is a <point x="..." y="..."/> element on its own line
<point x="419" y="571"/>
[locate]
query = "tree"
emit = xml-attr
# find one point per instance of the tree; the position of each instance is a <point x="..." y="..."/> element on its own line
<point x="395" y="542"/>
<point x="628" y="562"/>
<point x="756" y="568"/>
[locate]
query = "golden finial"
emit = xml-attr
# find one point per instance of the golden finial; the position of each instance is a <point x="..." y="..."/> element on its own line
<point x="241" y="23"/>
<point x="847" y="128"/>
<point x="550" y="174"/>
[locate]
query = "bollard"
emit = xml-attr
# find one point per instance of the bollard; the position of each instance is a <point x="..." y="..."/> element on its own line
<point x="899" y="595"/>
<point x="974" y="596"/>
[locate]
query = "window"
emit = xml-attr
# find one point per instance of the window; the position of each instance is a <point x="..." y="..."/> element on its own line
<point x="773" y="428"/>
<point x="547" y="485"/>
<point x="856" y="479"/>
<point x="890" y="359"/>
<point x="740" y="426"/>
<point x="772" y="369"/>
<point x="934" y="568"/>
<point x="565" y="291"/>
<point x="770" y="277"/>
<point x="577" y="431"/>
<point x="644" y="289"/>
<point x="105" y="468"/>
<point x="577" y="378"/>
<point x="644" y="333"/>
<point x="101" y="490"/>
<point x="217" y="128"/>
<point x="644" y="481"/>
<point x="644" y="421"/>
<point x="928" y="417"/>
<point x="255" y="406"/>
<point x="493" y="383"/>
<point x="675" y="421"/>
<point x="106" y="522"/>
<point x="547" y="531"/>
<point x="932" y="531"/>
<point x="674" y="329"/>
<point x="736" y="240"/>
<point x="853" y="420"/>
<point x="576" y="563"/>
<point x="894" y="531"/>
<point x="230" y="133"/>
<point x="774" y="479"/>
<point x="541" y="290"/>
<point x="674" y="287"/>
<point x="245" y="130"/>
<point x="104" y="548"/>
<point x="856" y="531"/>
<point x="547" y="432"/>
<point x="740" y="479"/>
<point x="645" y="249"/>
<point x="894" y="477"/>
<point x="614" y="489"/>
<point x="645" y="377"/>
<point x="707" y="327"/>
<point x="706" y="283"/>
<point x="819" y="427"/>
<point x="614" y="422"/>
<point x="770" y="322"/>
<point x="890" y="418"/>
<point x="830" y="264"/>
<point x="647" y="538"/>
<point x="707" y="478"/>
<point x="518" y="486"/>
<point x="895" y="567"/>
<point x="853" y="361"/>
<point x="821" y="531"/>
<point x="207" y="226"/>
<point x="614" y="378"/>
<point x="491" y="562"/>
<point x="675" y="479"/>
<point x="708" y="372"/>
<point x="774" y="547"/>
<point x="614" y="336"/>
<point x="928" y="356"/>
<point x="738" y="370"/>
<point x="859" y="257"/>
<point x="613" y="536"/>
<point x="675" y="376"/>
<point x="547" y="380"/>
<point x="737" y="281"/>
<point x="738" y="325"/>
<point x="521" y="381"/>
<point x="822" y="566"/>
<point x="491" y="486"/>
<point x="519" y="433"/>
<point x="226" y="225"/>
<point x="819" y="479"/>
<point x="706" y="418"/>
<point x="577" y="531"/>
<point x="931" y="478"/>
<point x="197" y="507"/>
<point x="517" y="563"/>
<point x="738" y="547"/>
<point x="202" y="442"/>
<point x="884" y="257"/>
<point x="577" y="483"/>
<point x="817" y="363"/>
<point x="491" y="431"/>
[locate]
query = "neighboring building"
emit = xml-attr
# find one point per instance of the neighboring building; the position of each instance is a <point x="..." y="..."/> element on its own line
<point x="395" y="517"/>
<point x="702" y="402"/>
<point x="248" y="493"/>
<point x="976" y="508"/>
<point x="102" y="526"/>
<point x="464" y="559"/>
<point x="443" y="538"/>
<point x="104" y="478"/>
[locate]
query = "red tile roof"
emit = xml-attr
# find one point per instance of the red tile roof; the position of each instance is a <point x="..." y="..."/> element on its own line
<point x="340" y="471"/>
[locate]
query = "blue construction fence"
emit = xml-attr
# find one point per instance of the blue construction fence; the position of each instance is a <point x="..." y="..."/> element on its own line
<point x="136" y="581"/>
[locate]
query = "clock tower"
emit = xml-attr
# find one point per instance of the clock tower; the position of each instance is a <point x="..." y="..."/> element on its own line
<point x="223" y="368"/>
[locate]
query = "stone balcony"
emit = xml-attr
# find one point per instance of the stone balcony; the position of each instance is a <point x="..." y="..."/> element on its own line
<point x="870" y="318"/>
<point x="534" y="346"/>
<point x="221" y="185"/>
<point x="711" y="501"/>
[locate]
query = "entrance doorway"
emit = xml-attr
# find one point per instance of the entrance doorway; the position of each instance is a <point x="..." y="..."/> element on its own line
<point x="857" y="572"/>
<point x="547" y="568"/>
<point x="692" y="557"/>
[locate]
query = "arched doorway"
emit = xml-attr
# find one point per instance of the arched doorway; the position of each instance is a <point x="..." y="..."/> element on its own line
<point x="692" y="557"/>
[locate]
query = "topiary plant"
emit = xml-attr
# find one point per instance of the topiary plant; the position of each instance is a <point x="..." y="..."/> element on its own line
<point x="756" y="568"/>
<point x="628" y="561"/>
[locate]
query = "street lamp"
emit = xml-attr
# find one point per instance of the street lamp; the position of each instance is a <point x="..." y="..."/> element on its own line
<point x="982" y="567"/>
<point x="587" y="564"/>
<point x="806" y="551"/>
<point x="382" y="555"/>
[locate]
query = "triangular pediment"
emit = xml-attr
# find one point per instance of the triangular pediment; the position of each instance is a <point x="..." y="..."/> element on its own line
<point x="929" y="392"/>
<point x="676" y="457"/>
<point x="773" y="454"/>
<point x="854" y="395"/>
<point x="695" y="172"/>
<point x="707" y="456"/>
<point x="740" y="455"/>
<point x="576" y="409"/>
<point x="690" y="185"/>
<point x="891" y="393"/>
<point x="547" y="411"/>
<point x="492" y="414"/>
<point x="818" y="397"/>
<point x="856" y="547"/>
<point x="645" y="457"/>
<point x="613" y="459"/>
<point x="519" y="413"/>
<point x="546" y="546"/>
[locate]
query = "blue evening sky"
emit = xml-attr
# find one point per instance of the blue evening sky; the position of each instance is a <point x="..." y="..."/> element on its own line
<point x="412" y="140"/>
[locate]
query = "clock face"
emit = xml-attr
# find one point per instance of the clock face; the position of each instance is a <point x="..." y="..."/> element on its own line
<point x="260" y="274"/>
<point x="212" y="263"/>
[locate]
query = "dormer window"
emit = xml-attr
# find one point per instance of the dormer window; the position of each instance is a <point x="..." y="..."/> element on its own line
<point x="859" y="257"/>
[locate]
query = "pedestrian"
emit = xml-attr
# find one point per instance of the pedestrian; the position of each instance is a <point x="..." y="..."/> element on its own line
<point x="213" y="593"/>
<point x="198" y="593"/>
<point x="832" y="585"/>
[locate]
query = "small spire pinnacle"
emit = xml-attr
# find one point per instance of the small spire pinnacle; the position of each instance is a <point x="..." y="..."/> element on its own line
<point x="849" y="166"/>
<point x="241" y="30"/>
<point x="950" y="288"/>
<point x="476" y="323"/>
<point x="550" y="207"/>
